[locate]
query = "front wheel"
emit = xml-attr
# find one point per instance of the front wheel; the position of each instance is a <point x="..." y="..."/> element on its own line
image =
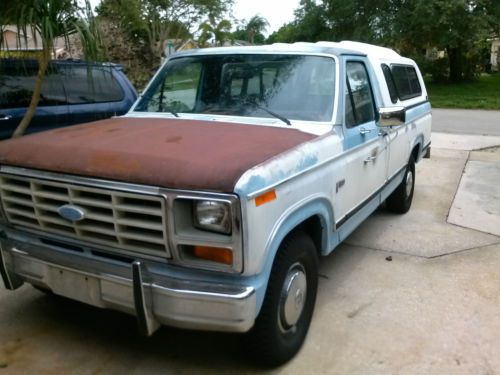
<point x="400" y="199"/>
<point x="283" y="322"/>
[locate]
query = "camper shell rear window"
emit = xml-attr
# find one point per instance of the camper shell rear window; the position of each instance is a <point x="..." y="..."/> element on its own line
<point x="402" y="81"/>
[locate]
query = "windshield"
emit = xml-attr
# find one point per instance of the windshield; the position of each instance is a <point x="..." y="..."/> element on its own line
<point x="291" y="87"/>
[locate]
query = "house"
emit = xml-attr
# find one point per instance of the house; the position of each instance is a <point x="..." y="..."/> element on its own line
<point x="24" y="43"/>
<point x="17" y="44"/>
<point x="170" y="46"/>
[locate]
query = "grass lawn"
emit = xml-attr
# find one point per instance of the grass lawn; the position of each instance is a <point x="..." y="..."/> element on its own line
<point x="481" y="94"/>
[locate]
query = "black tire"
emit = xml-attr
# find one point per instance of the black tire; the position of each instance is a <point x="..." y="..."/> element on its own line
<point x="281" y="328"/>
<point x="400" y="199"/>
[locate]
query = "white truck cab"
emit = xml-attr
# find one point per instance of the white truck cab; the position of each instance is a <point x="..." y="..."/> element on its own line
<point x="209" y="205"/>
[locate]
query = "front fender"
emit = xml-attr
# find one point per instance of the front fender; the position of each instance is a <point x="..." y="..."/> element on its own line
<point x="290" y="220"/>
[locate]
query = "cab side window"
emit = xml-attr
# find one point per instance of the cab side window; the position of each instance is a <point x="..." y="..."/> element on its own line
<point x="359" y="107"/>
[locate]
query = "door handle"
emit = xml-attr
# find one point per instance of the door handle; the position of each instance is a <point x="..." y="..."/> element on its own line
<point x="5" y="117"/>
<point x="364" y="131"/>
<point x="370" y="159"/>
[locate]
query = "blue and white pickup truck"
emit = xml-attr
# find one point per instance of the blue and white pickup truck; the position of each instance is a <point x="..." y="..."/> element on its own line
<point x="209" y="204"/>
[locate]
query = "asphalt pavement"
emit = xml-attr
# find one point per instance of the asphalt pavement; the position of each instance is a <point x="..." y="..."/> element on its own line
<point x="466" y="121"/>
<point x="405" y="294"/>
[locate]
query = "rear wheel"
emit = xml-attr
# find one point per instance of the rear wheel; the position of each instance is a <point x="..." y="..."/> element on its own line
<point x="283" y="322"/>
<point x="400" y="199"/>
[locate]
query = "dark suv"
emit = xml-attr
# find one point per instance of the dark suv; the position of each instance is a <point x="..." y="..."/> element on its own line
<point x="73" y="92"/>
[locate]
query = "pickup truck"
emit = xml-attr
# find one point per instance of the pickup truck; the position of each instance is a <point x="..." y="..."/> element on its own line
<point x="209" y="204"/>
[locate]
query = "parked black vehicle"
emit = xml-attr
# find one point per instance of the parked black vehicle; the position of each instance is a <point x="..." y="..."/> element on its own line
<point x="73" y="92"/>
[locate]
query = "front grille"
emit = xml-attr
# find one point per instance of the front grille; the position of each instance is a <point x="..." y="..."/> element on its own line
<point x="130" y="221"/>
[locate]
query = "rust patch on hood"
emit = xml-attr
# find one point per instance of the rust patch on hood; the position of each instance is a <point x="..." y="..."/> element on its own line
<point x="172" y="153"/>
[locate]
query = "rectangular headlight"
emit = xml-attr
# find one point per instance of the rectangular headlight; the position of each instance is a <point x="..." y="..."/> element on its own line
<point x="214" y="216"/>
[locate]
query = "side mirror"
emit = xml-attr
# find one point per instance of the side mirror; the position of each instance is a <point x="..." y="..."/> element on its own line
<point x="391" y="116"/>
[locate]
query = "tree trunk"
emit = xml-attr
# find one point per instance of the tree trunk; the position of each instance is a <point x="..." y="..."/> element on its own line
<point x="43" y="63"/>
<point x="456" y="66"/>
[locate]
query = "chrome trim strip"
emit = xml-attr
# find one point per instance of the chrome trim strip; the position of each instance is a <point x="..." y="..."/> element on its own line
<point x="79" y="180"/>
<point x="105" y="184"/>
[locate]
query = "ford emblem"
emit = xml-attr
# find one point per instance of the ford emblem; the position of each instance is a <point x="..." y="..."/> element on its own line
<point x="71" y="212"/>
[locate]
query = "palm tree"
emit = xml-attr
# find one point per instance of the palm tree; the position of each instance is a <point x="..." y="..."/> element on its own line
<point x="256" y="25"/>
<point x="218" y="30"/>
<point x="222" y="31"/>
<point x="48" y="20"/>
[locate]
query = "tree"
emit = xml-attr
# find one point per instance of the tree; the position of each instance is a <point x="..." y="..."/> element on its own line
<point x="211" y="29"/>
<point x="460" y="27"/>
<point x="309" y="25"/>
<point x="48" y="20"/>
<point x="154" y="22"/>
<point x="255" y="27"/>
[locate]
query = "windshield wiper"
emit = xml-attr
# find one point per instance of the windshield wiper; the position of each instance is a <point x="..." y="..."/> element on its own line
<point x="272" y="113"/>
<point x="160" y="104"/>
<point x="252" y="103"/>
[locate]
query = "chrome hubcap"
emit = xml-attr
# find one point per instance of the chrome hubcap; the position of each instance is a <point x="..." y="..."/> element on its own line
<point x="409" y="183"/>
<point x="293" y="297"/>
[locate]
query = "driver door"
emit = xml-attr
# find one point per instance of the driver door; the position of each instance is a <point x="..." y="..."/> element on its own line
<point x="365" y="149"/>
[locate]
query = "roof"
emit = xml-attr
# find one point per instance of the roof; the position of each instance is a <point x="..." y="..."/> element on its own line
<point x="368" y="49"/>
<point x="328" y="48"/>
<point x="33" y="63"/>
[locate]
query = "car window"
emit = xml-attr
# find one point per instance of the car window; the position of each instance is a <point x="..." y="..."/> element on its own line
<point x="17" y="84"/>
<point x="293" y="86"/>
<point x="178" y="90"/>
<point x="389" y="79"/>
<point x="406" y="81"/>
<point x="359" y="107"/>
<point x="84" y="84"/>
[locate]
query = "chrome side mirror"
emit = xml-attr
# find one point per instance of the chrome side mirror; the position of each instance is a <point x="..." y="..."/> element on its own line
<point x="391" y="116"/>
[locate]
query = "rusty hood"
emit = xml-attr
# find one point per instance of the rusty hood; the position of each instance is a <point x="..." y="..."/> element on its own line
<point x="172" y="153"/>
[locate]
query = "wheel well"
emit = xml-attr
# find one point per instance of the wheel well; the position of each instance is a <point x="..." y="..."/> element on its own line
<point x="415" y="152"/>
<point x="314" y="229"/>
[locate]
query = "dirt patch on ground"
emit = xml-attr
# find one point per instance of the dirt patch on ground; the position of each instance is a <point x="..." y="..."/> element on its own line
<point x="9" y="351"/>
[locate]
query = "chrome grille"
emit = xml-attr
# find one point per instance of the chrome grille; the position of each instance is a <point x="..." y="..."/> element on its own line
<point x="126" y="220"/>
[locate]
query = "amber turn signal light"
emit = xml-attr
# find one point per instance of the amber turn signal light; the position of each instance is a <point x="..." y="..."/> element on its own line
<point x="265" y="198"/>
<point x="215" y="254"/>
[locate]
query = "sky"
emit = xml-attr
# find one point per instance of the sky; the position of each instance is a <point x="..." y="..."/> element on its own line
<point x="277" y="12"/>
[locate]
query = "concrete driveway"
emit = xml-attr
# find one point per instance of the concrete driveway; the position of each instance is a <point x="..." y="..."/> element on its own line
<point x="404" y="294"/>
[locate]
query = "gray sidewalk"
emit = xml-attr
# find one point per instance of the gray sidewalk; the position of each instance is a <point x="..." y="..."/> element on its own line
<point x="404" y="294"/>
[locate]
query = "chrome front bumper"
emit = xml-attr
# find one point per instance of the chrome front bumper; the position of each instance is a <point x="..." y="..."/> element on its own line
<point x="138" y="287"/>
